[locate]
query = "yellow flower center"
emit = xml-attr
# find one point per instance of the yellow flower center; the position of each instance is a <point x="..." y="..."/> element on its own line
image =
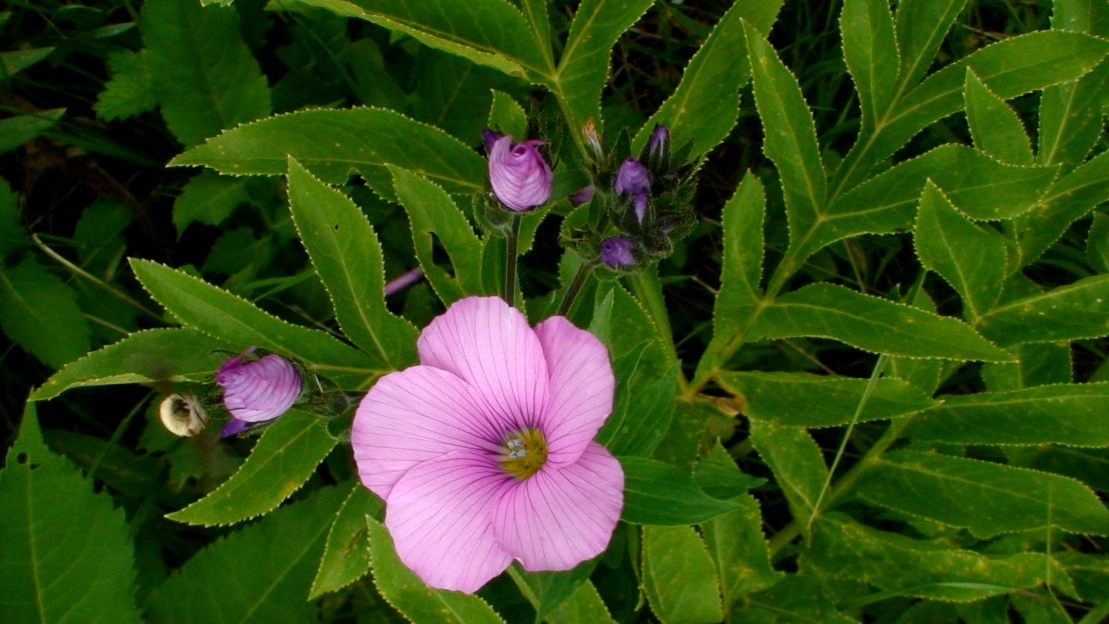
<point x="523" y="453"/>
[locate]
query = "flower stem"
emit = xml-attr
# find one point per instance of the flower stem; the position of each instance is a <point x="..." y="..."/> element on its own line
<point x="512" y="237"/>
<point x="572" y="290"/>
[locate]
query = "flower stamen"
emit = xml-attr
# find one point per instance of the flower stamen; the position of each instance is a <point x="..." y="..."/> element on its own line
<point x="524" y="452"/>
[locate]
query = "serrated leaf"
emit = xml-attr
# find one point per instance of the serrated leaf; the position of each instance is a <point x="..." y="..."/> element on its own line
<point x="39" y="311"/>
<point x="656" y="493"/>
<point x="697" y="110"/>
<point x="1039" y="364"/>
<point x="921" y="26"/>
<point x="546" y="591"/>
<point x="584" y="605"/>
<point x="203" y="73"/>
<point x="1078" y="310"/>
<point x="996" y="128"/>
<point x="332" y="143"/>
<point x="454" y="94"/>
<point x="346" y="553"/>
<point x="15" y="131"/>
<point x="1097" y="243"/>
<point x="54" y="569"/>
<point x="873" y="324"/>
<point x="219" y="584"/>
<point x="807" y="400"/>
<point x="796" y="462"/>
<point x="968" y="257"/>
<point x="1069" y="414"/>
<point x="347" y="255"/>
<point x="987" y="498"/>
<point x="924" y="374"/>
<point x="870" y="51"/>
<point x="208" y="198"/>
<point x="238" y="322"/>
<point x="643" y="407"/>
<point x="507" y="116"/>
<point x="798" y="598"/>
<point x="284" y="458"/>
<point x="130" y="91"/>
<point x="415" y="600"/>
<point x="679" y="577"/>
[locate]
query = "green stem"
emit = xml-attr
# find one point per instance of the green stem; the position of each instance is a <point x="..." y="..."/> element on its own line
<point x="92" y="278"/>
<point x="511" y="240"/>
<point x="574" y="288"/>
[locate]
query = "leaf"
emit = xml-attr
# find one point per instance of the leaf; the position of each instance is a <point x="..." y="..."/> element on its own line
<point x="238" y="322"/>
<point x="347" y="256"/>
<point x="454" y="94"/>
<point x="16" y="61"/>
<point x="219" y="584"/>
<point x="40" y="312"/>
<point x="331" y="143"/>
<point x="431" y="212"/>
<point x="873" y="324"/>
<point x="283" y="460"/>
<point x="789" y="136"/>
<point x="656" y="493"/>
<point x="698" y="110"/>
<point x="1072" y="197"/>
<point x="924" y="374"/>
<point x="807" y="400"/>
<point x="908" y="567"/>
<point x="584" y="605"/>
<point x="797" y="598"/>
<point x="130" y="91"/>
<point x="970" y="258"/>
<point x="506" y="116"/>
<point x="870" y="50"/>
<point x="1097" y="243"/>
<point x="921" y="26"/>
<point x="416" y="601"/>
<point x="796" y="462"/>
<point x="53" y="568"/>
<point x="346" y="554"/>
<point x="203" y="73"/>
<point x="1062" y="414"/>
<point x="546" y="591"/>
<point x="11" y="231"/>
<point x="678" y="576"/>
<point x="1078" y="310"/>
<point x="996" y="128"/>
<point x="15" y="131"/>
<point x="208" y="198"/>
<point x="986" y="498"/>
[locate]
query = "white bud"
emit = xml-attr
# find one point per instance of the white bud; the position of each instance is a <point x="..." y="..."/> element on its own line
<point x="182" y="414"/>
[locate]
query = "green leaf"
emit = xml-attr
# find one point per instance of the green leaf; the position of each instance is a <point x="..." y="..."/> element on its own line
<point x="656" y="493"/>
<point x="984" y="497"/>
<point x="583" y="69"/>
<point x="1097" y="243"/>
<point x="488" y="32"/>
<point x="39" y="311"/>
<point x="807" y="400"/>
<point x="870" y="50"/>
<point x="921" y="27"/>
<point x="347" y="256"/>
<point x="454" y="94"/>
<point x="507" y="117"/>
<point x="790" y="136"/>
<point x="924" y="374"/>
<point x="797" y="598"/>
<point x="203" y="73"/>
<point x="1039" y="364"/>
<point x="968" y="257"/>
<point x="546" y="591"/>
<point x="150" y="356"/>
<point x="908" y="567"/>
<point x="130" y="92"/>
<point x="679" y="577"/>
<point x="346" y="554"/>
<point x="68" y="555"/>
<point x="873" y="324"/>
<point x="1072" y="197"/>
<point x="996" y="128"/>
<point x="11" y="231"/>
<point x="15" y="131"/>
<point x="220" y="584"/>
<point x="332" y="143"/>
<point x="415" y="600"/>
<point x="238" y="322"/>
<point x="1062" y="414"/>
<point x="698" y="110"/>
<point x="434" y="216"/>
<point x="284" y="458"/>
<point x="208" y="198"/>
<point x="584" y="605"/>
<point x="1078" y="310"/>
<point x="18" y="60"/>
<point x="796" y="462"/>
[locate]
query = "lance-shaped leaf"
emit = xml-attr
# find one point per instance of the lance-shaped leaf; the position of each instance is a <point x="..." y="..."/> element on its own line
<point x="15" y="131"/>
<point x="656" y="493"/>
<point x="807" y="400"/>
<point x="1072" y="197"/>
<point x="346" y="554"/>
<point x="270" y="585"/>
<point x="546" y="591"/>
<point x="987" y="498"/>
<point x="40" y="312"/>
<point x="970" y="258"/>
<point x="873" y="324"/>
<point x="284" y="458"/>
<point x="347" y="255"/>
<point x="797" y="598"/>
<point x="996" y="128"/>
<point x="1071" y="414"/>
<point x="921" y="27"/>
<point x="705" y="106"/>
<point x="1078" y="310"/>
<point x="333" y="143"/>
<point x="68" y="555"/>
<point x="238" y="322"/>
<point x="870" y="50"/>
<point x="584" y="605"/>
<point x="1038" y="364"/>
<point x="796" y="462"/>
<point x="679" y="577"/>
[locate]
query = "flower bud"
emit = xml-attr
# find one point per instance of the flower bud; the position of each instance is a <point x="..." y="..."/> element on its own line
<point x="258" y="390"/>
<point x="660" y="141"/>
<point x="182" y="415"/>
<point x="640" y="206"/>
<point x="617" y="252"/>
<point x="583" y="196"/>
<point x="520" y="177"/>
<point x="592" y="141"/>
<point x="632" y="178"/>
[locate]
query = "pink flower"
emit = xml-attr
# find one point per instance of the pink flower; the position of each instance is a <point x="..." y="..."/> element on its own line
<point x="257" y="390"/>
<point x="483" y="453"/>
<point x="520" y="177"/>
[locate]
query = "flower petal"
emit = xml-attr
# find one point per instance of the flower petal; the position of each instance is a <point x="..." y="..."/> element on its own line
<point x="559" y="518"/>
<point x="439" y="515"/>
<point x="490" y="346"/>
<point x="259" y="390"/>
<point x="581" y="388"/>
<point x="415" y="415"/>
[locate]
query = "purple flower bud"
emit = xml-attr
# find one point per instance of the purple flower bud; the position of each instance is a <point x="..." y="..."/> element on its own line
<point x="233" y="427"/>
<point x="659" y="138"/>
<point x="584" y="196"/>
<point x="640" y="206"/>
<point x="489" y="138"/>
<point x="258" y="390"/>
<point x="520" y="177"/>
<point x="617" y="252"/>
<point x="632" y="178"/>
